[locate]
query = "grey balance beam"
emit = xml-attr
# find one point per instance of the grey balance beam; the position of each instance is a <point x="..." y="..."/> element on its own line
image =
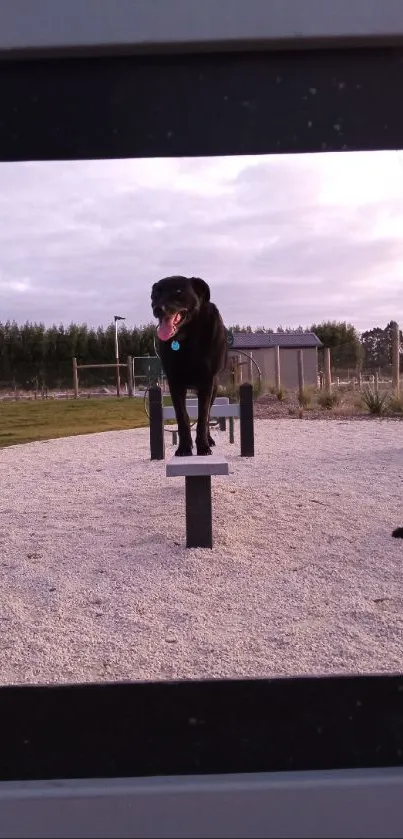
<point x="197" y="472"/>
<point x="217" y="410"/>
<point x="192" y="403"/>
<point x="219" y="400"/>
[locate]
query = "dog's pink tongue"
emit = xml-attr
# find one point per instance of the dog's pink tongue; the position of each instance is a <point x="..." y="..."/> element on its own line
<point x="166" y="328"/>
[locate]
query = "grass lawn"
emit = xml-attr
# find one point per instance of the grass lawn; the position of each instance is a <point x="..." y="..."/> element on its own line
<point x="25" y="422"/>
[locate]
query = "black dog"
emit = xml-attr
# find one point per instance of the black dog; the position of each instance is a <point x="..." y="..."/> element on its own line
<point x="193" y="350"/>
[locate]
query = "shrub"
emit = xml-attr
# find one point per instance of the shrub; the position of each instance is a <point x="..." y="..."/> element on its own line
<point x="280" y="393"/>
<point x="396" y="404"/>
<point x="375" y="403"/>
<point x="230" y="390"/>
<point x="305" y="398"/>
<point x="328" y="399"/>
<point x="257" y="389"/>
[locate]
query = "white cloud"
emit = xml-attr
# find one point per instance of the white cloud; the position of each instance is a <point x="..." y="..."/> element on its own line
<point x="287" y="240"/>
<point x="18" y="286"/>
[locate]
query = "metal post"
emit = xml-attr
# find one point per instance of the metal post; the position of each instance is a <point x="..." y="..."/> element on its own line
<point x="117" y="359"/>
<point x="246" y="420"/>
<point x="199" y="519"/>
<point x="156" y="424"/>
<point x="250" y="368"/>
<point x="231" y="429"/>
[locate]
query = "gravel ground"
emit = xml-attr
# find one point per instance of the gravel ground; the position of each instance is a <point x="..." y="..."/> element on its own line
<point x="304" y="578"/>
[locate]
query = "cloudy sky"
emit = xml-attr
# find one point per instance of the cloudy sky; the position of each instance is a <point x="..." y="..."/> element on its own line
<point x="281" y="240"/>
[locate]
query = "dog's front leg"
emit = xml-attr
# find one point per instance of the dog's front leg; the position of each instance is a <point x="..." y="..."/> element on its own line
<point x="204" y="396"/>
<point x="211" y="440"/>
<point x="178" y="395"/>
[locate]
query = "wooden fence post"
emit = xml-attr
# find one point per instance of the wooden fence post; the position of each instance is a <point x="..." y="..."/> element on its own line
<point x="277" y="368"/>
<point x="130" y="388"/>
<point x="301" y="382"/>
<point x="75" y="378"/>
<point x="327" y="370"/>
<point x="396" y="358"/>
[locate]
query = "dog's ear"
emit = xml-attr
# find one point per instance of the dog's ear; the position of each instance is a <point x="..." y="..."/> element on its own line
<point x="201" y="288"/>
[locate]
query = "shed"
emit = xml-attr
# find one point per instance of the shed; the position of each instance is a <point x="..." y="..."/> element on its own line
<point x="261" y="348"/>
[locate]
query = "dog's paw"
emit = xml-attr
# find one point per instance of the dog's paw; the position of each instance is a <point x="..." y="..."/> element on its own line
<point x="211" y="442"/>
<point x="203" y="450"/>
<point x="183" y="451"/>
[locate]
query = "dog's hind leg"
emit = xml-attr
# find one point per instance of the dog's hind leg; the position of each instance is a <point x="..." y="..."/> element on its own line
<point x="204" y="396"/>
<point x="178" y="396"/>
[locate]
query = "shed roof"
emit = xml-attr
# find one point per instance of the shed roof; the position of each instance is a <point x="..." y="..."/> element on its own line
<point x="265" y="340"/>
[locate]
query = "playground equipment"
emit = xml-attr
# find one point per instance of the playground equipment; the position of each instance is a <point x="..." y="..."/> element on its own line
<point x="149" y="366"/>
<point x="148" y="370"/>
<point x="198" y="470"/>
<point x="220" y="410"/>
<point x="191" y="403"/>
<point x="115" y="365"/>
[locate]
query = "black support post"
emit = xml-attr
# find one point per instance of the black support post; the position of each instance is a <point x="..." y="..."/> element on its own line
<point x="156" y="424"/>
<point x="246" y="420"/>
<point x="199" y="522"/>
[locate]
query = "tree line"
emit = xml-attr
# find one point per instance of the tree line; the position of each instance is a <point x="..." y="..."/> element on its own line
<point x="371" y="350"/>
<point x="33" y="356"/>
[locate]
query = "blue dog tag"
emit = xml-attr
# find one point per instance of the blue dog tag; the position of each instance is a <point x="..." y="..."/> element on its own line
<point x="175" y="345"/>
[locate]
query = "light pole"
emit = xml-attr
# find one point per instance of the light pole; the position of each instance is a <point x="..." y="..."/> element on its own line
<point x="116" y="319"/>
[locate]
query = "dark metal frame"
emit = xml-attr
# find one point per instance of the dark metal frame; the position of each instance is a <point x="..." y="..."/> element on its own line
<point x="201" y="104"/>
